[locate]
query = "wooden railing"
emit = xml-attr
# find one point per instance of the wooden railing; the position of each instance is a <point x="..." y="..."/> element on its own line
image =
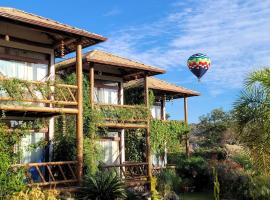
<point x="157" y="169"/>
<point x="123" y="116"/>
<point x="15" y="93"/>
<point x="50" y="173"/>
<point x="130" y="171"/>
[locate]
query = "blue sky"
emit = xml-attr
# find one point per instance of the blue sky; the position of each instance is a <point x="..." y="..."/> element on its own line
<point x="235" y="34"/>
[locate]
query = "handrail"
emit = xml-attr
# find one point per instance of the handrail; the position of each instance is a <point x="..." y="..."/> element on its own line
<point x="45" y="163"/>
<point x="51" y="83"/>
<point x="49" y="95"/>
<point x="119" y="105"/>
<point x="125" y="165"/>
<point x="50" y="173"/>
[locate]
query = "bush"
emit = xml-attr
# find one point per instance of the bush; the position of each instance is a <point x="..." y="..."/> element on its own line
<point x="36" y="193"/>
<point x="103" y="186"/>
<point x="243" y="159"/>
<point x="11" y="180"/>
<point x="213" y="153"/>
<point x="168" y="181"/>
<point x="259" y="187"/>
<point x="193" y="171"/>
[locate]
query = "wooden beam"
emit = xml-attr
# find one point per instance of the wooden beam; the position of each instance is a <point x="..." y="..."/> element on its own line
<point x="92" y="84"/>
<point x="28" y="42"/>
<point x="148" y="148"/>
<point x="79" y="120"/>
<point x="186" y="122"/>
<point x="132" y="75"/>
<point x="121" y="125"/>
<point x="38" y="109"/>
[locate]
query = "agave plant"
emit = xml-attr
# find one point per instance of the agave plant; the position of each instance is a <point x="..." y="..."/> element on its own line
<point x="103" y="186"/>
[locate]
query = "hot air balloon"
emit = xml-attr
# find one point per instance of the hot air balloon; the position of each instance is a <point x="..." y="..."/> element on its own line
<point x="198" y="64"/>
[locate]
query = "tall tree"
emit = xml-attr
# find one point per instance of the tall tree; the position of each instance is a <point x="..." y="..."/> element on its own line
<point x="212" y="127"/>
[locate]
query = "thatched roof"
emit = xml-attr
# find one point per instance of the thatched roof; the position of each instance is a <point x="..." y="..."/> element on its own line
<point x="40" y="23"/>
<point x="105" y="58"/>
<point x="162" y="87"/>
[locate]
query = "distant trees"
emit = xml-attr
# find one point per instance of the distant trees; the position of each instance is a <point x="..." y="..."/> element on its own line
<point x="212" y="128"/>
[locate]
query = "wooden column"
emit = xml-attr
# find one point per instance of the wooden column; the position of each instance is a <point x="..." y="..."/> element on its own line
<point x="79" y="135"/>
<point x="148" y="149"/>
<point x="51" y="131"/>
<point x="122" y="134"/>
<point x="186" y="122"/>
<point x="92" y="84"/>
<point x="163" y="113"/>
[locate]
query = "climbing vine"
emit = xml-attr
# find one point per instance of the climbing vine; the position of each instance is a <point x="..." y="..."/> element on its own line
<point x="166" y="134"/>
<point x="65" y="144"/>
<point x="11" y="178"/>
<point x="138" y="113"/>
<point x="18" y="90"/>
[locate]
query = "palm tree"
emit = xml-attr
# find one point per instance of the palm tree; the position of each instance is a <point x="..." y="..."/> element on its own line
<point x="252" y="116"/>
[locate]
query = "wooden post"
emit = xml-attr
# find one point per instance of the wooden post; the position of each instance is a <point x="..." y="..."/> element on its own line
<point x="79" y="120"/>
<point x="122" y="134"/>
<point x="148" y="149"/>
<point x="163" y="113"/>
<point x="186" y="122"/>
<point x="92" y="84"/>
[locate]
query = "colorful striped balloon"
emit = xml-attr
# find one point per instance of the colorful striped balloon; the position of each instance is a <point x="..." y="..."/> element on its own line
<point x="198" y="64"/>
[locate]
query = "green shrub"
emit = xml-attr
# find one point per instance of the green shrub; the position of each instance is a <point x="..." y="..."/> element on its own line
<point x="213" y="153"/>
<point x="259" y="187"/>
<point x="36" y="193"/>
<point x="11" y="179"/>
<point x="103" y="186"/>
<point x="233" y="182"/>
<point x="243" y="159"/>
<point x="168" y="181"/>
<point x="194" y="171"/>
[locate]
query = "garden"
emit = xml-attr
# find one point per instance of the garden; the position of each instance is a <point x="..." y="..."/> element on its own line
<point x="229" y="152"/>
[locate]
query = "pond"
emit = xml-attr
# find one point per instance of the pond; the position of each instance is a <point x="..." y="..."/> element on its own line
<point x="197" y="196"/>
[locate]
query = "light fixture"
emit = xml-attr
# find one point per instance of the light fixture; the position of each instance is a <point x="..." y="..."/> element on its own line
<point x="62" y="46"/>
<point x="7" y="38"/>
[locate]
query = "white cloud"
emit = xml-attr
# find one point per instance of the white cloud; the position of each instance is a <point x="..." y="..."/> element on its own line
<point x="235" y="34"/>
<point x="113" y="12"/>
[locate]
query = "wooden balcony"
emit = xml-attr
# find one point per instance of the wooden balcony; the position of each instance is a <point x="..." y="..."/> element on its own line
<point x="132" y="173"/>
<point x="32" y="97"/>
<point x="122" y="116"/>
<point x="50" y="174"/>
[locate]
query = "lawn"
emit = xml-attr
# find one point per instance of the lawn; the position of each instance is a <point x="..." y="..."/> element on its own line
<point x="197" y="196"/>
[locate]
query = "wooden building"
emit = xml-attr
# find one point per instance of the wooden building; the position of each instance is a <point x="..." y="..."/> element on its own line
<point x="163" y="92"/>
<point x="29" y="45"/>
<point x="107" y="74"/>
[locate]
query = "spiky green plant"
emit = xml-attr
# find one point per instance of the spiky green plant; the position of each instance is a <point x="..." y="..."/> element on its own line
<point x="252" y="115"/>
<point x="216" y="185"/>
<point x="103" y="186"/>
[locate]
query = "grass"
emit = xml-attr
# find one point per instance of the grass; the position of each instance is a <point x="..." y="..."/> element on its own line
<point x="197" y="196"/>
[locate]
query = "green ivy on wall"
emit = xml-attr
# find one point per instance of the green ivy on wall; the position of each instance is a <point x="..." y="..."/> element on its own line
<point x="67" y="124"/>
<point x="166" y="134"/>
<point x="13" y="179"/>
<point x="123" y="114"/>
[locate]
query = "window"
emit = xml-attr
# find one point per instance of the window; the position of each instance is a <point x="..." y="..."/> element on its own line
<point x="30" y="155"/>
<point x="106" y="92"/>
<point x="22" y="64"/>
<point x="156" y="111"/>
